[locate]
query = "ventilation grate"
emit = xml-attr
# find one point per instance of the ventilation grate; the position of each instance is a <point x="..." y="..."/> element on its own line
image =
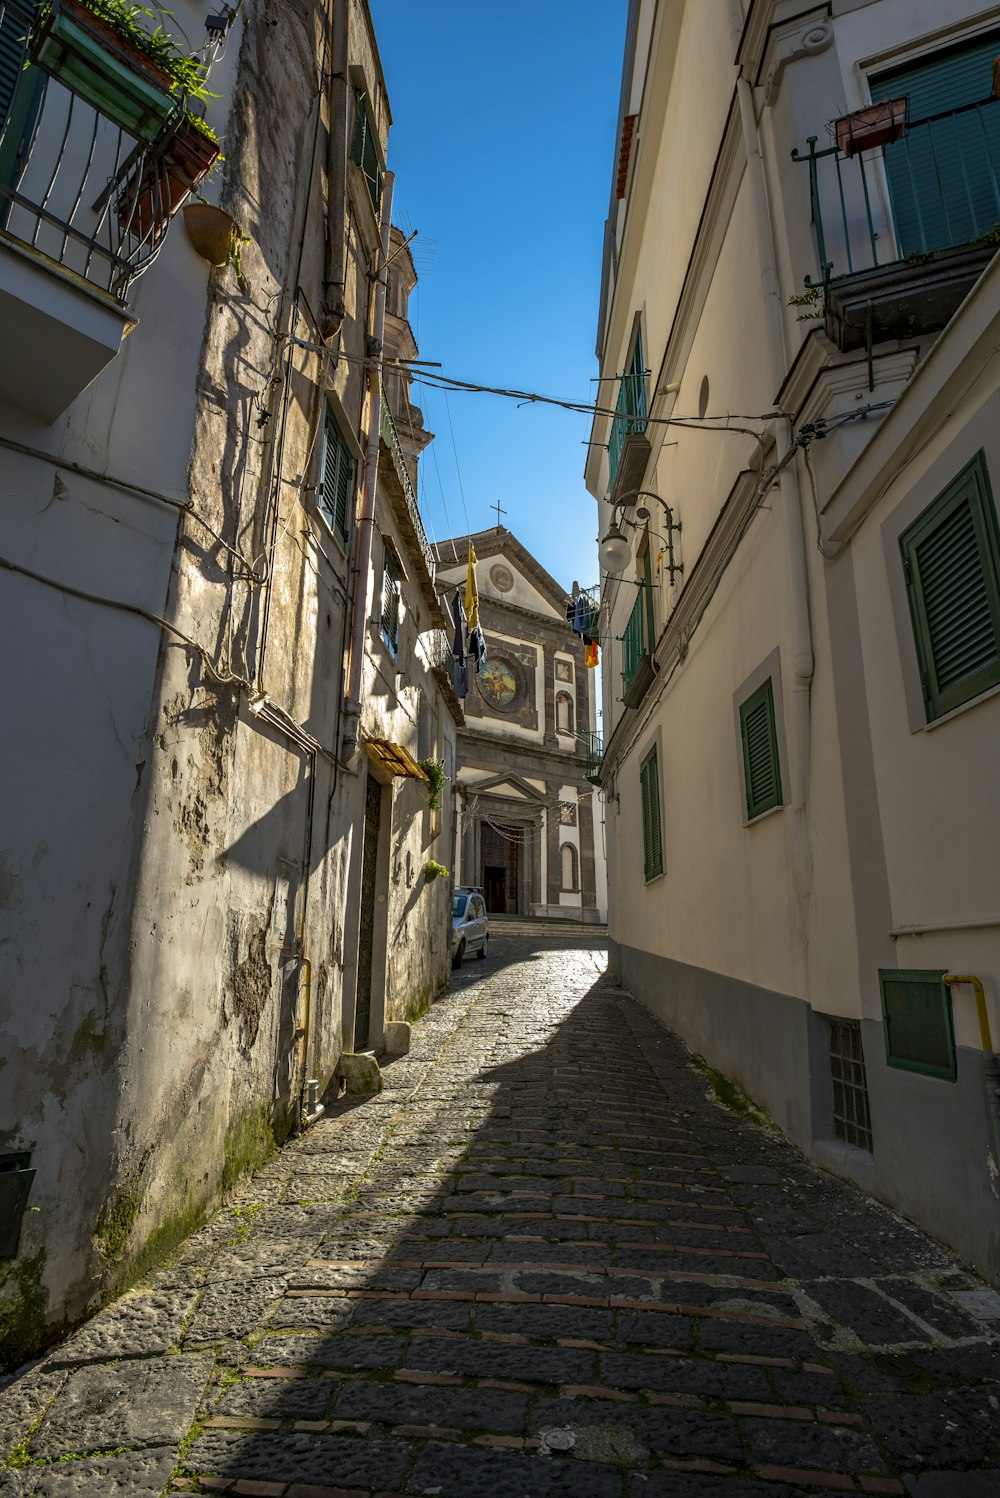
<point x="851" y="1117"/>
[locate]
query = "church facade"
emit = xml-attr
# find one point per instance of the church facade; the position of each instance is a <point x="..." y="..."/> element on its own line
<point x="529" y="824"/>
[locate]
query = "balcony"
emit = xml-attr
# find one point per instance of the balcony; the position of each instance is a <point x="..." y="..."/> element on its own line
<point x="592" y="748"/>
<point x="628" y="447"/>
<point x="637" y="649"/>
<point x="904" y="231"/>
<point x="398" y="485"/>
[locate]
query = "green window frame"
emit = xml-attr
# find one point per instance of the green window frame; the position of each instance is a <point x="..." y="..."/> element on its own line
<point x="390" y="602"/>
<point x="761" y="761"/>
<point x="652" y="831"/>
<point x="335" y="491"/>
<point x="951" y="562"/>
<point x="917" y="1021"/>
<point x="20" y="91"/>
<point x="364" y="151"/>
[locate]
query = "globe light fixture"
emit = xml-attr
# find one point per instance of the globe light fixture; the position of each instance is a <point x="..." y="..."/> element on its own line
<point x="615" y="549"/>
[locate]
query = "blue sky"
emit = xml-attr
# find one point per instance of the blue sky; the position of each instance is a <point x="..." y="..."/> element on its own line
<point x="502" y="144"/>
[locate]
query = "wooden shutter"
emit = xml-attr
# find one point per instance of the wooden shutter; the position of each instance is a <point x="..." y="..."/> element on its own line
<point x="20" y="89"/>
<point x="337" y="479"/>
<point x="652" y="839"/>
<point x="390" y="602"/>
<point x="761" y="768"/>
<point x="951" y="557"/>
<point x="365" y="152"/>
<point x="943" y="175"/>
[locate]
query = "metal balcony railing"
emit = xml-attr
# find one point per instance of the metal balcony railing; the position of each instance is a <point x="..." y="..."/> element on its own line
<point x="936" y="188"/>
<point x="74" y="188"/>
<point x="592" y="746"/>
<point x="630" y="416"/>
<point x="389" y="435"/>
<point x="438" y="648"/>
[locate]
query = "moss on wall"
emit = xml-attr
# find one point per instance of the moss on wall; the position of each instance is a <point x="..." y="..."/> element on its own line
<point x="23" y="1305"/>
<point x="249" y="1144"/>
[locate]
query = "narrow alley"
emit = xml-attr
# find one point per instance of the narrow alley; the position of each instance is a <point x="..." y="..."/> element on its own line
<point x="543" y="1260"/>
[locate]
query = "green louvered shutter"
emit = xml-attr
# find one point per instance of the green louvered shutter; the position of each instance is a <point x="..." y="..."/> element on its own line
<point x="762" y="771"/>
<point x="364" y="151"/>
<point x="944" y="176"/>
<point x="337" y="478"/>
<point x="951" y="557"/>
<point x="652" y="837"/>
<point x="390" y="602"/>
<point x="20" y="89"/>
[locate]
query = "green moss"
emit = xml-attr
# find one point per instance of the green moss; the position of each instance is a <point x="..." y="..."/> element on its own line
<point x="732" y="1097"/>
<point x="116" y="1218"/>
<point x="23" y="1304"/>
<point x="163" y="1240"/>
<point x="249" y="1144"/>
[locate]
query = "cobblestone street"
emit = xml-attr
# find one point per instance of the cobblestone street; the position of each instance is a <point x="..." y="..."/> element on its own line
<point x="543" y="1261"/>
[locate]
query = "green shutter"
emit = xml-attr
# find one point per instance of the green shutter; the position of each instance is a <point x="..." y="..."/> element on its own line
<point x="364" y="151"/>
<point x="761" y="768"/>
<point x="943" y="175"/>
<point x="652" y="837"/>
<point x="951" y="558"/>
<point x="390" y="602"/>
<point x="20" y="90"/>
<point x="917" y="1022"/>
<point x="337" y="477"/>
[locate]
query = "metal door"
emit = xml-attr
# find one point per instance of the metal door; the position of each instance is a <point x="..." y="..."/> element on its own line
<point x="369" y="889"/>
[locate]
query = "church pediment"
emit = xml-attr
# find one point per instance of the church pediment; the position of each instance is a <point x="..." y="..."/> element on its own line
<point x="506" y="784"/>
<point x="506" y="572"/>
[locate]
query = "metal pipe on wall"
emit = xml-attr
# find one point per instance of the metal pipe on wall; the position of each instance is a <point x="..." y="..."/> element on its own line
<point x="333" y="309"/>
<point x="366" y="520"/>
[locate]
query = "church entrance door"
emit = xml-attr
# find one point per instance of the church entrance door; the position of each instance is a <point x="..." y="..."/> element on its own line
<point x="500" y="847"/>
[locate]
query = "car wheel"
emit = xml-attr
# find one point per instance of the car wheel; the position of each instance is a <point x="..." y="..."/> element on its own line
<point x="456" y="961"/>
<point x="482" y="949"/>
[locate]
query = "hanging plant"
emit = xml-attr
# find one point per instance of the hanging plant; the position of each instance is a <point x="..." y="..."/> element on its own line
<point x="159" y="185"/>
<point x="434" y="770"/>
<point x="433" y="870"/>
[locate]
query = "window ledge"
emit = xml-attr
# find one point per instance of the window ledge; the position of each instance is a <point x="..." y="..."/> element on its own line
<point x="955" y="712"/>
<point x="763" y="815"/>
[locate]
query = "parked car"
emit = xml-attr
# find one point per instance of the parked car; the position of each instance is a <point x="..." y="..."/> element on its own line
<point x="470" y="925"/>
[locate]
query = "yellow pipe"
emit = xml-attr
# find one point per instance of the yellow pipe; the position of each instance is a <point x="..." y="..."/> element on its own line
<point x="981" y="1010"/>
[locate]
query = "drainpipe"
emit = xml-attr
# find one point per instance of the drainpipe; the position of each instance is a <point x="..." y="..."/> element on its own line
<point x="366" y="523"/>
<point x="791" y="495"/>
<point x="991" y="1064"/>
<point x="332" y="308"/>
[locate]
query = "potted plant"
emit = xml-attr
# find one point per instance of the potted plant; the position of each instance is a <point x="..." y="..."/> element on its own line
<point x="433" y="870"/>
<point x="164" y="180"/>
<point x="875" y="125"/>
<point x="101" y="51"/>
<point x="214" y="234"/>
<point x="434" y="771"/>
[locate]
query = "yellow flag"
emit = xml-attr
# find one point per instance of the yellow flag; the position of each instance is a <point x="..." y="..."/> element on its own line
<point x="471" y="592"/>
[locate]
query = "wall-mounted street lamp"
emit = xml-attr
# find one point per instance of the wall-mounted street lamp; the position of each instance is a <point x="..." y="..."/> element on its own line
<point x="615" y="548"/>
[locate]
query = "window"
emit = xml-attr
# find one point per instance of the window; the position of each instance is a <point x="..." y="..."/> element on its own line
<point x="942" y="174"/>
<point x="761" y="769"/>
<point x="390" y="601"/>
<point x="851" y="1115"/>
<point x="564" y="712"/>
<point x="630" y="408"/>
<point x="951" y="560"/>
<point x="652" y="839"/>
<point x="20" y="91"/>
<point x="364" y="151"/>
<point x="336" y="480"/>
<point x="569" y="865"/>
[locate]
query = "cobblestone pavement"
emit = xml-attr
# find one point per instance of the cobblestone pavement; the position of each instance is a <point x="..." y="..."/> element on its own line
<point x="542" y="1262"/>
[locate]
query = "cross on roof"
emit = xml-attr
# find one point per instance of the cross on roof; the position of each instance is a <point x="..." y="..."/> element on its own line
<point x="499" y="512"/>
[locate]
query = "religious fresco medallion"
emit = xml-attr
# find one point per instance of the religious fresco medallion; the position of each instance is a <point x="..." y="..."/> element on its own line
<point x="502" y="578"/>
<point x="498" y="683"/>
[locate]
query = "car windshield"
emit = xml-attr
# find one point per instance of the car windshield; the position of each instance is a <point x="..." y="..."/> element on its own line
<point x="458" y="906"/>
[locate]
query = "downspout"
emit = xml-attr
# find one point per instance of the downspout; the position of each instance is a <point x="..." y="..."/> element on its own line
<point x="791" y="494"/>
<point x="332" y="309"/>
<point x="366" y="521"/>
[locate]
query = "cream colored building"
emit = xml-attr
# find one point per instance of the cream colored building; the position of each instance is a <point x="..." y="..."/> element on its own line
<point x="799" y="322"/>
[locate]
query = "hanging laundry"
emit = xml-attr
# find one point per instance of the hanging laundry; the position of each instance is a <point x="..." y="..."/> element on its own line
<point x="472" y="592"/>
<point x="460" y="668"/>
<point x="591" y="654"/>
<point x="477" y="649"/>
<point x="583" y="615"/>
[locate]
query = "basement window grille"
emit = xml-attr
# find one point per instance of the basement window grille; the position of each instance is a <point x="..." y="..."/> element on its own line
<point x="851" y="1117"/>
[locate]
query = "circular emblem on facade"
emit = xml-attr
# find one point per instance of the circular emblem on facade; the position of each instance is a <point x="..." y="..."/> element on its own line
<point x="501" y="577"/>
<point x="499" y="682"/>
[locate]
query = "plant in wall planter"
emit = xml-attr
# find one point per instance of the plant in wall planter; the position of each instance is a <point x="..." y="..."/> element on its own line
<point x="434" y="771"/>
<point x="875" y="125"/>
<point x="215" y="235"/>
<point x="132" y="73"/>
<point x="433" y="870"/>
<point x="164" y="180"/>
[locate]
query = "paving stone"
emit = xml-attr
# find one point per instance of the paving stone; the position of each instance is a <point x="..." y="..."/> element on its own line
<point x="373" y="1351"/>
<point x="674" y="1375"/>
<point x="278" y="1398"/>
<point x="937" y="1431"/>
<point x="954" y="1484"/>
<point x="825" y="1448"/>
<point x="464" y="1472"/>
<point x="233" y="1308"/>
<point x="23" y="1401"/>
<point x="139" y="1474"/>
<point x="314" y="1457"/>
<point x="127" y="1403"/>
<point x="465" y="1409"/>
<point x="138" y="1325"/>
<point x="483" y="1359"/>
<point x="663" y="1432"/>
<point x="869" y="1315"/>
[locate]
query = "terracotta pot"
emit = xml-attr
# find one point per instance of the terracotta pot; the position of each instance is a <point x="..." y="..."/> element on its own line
<point x="877" y="125"/>
<point x="210" y="231"/>
<point x="166" y="181"/>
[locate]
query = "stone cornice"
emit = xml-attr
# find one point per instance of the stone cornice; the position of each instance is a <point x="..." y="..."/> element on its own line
<point x="778" y="31"/>
<point x="820" y="374"/>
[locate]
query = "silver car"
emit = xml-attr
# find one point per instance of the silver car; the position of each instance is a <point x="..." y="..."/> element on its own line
<point x="470" y="925"/>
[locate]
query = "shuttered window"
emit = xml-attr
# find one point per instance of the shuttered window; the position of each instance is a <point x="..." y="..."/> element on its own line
<point x="390" y="602"/>
<point x="761" y="769"/>
<point x="652" y="837"/>
<point x="364" y="151"/>
<point x="336" y="482"/>
<point x="951" y="558"/>
<point x="20" y="89"/>
<point x="943" y="174"/>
